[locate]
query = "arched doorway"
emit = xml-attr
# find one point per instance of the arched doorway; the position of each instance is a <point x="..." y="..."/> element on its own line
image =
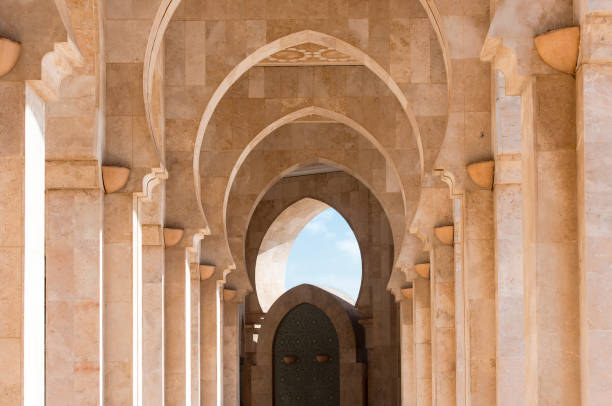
<point x="330" y="312"/>
<point x="308" y="243"/>
<point x="306" y="359"/>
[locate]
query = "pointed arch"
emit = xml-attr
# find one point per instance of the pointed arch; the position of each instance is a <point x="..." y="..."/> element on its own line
<point x="296" y="115"/>
<point x="277" y="243"/>
<point x="297" y="38"/>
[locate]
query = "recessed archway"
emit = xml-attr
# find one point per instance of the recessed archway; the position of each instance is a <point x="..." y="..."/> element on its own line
<point x="326" y="252"/>
<point x="351" y="372"/>
<point x="307" y="36"/>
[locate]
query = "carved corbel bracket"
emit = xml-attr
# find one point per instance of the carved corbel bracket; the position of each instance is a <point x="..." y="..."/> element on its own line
<point x="422" y="270"/>
<point x="446" y="234"/>
<point x="228" y="295"/>
<point x="481" y="173"/>
<point x="9" y="55"/>
<point x="114" y="177"/>
<point x="172" y="236"/>
<point x="559" y="48"/>
<point x="407" y="293"/>
<point x="206" y="271"/>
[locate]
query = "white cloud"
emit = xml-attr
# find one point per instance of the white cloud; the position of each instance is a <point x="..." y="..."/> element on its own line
<point x="350" y="247"/>
<point x="314" y="227"/>
<point x="327" y="214"/>
<point x="319" y="227"/>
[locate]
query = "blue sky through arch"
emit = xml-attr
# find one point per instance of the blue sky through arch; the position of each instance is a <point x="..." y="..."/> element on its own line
<point x="326" y="254"/>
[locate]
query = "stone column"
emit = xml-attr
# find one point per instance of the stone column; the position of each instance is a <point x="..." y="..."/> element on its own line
<point x="422" y="341"/>
<point x="175" y="286"/>
<point x="61" y="112"/>
<point x="461" y="327"/>
<point x="152" y="316"/>
<point x="511" y="360"/>
<point x="594" y="84"/>
<point x="117" y="321"/>
<point x="192" y="334"/>
<point x="231" y="353"/>
<point x="74" y="219"/>
<point x="73" y="208"/>
<point x="556" y="291"/>
<point x="480" y="286"/>
<point x="407" y="347"/>
<point x="211" y="340"/>
<point x="443" y="339"/>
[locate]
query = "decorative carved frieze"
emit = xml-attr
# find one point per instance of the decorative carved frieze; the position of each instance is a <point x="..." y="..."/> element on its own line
<point x="309" y="54"/>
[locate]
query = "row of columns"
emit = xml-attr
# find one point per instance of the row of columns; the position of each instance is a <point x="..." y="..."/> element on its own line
<point x="108" y="338"/>
<point x="428" y="340"/>
<point x="203" y="363"/>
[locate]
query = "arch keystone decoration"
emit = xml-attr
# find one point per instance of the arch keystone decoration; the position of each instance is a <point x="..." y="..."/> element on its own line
<point x="422" y="270"/>
<point x="446" y="234"/>
<point x="559" y="48"/>
<point x="481" y="173"/>
<point x="114" y="178"/>
<point x="9" y="55"/>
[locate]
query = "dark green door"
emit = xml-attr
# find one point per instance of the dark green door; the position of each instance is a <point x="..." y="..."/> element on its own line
<point x="306" y="359"/>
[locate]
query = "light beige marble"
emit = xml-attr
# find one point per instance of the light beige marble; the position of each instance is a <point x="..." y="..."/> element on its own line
<point x="202" y="103"/>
